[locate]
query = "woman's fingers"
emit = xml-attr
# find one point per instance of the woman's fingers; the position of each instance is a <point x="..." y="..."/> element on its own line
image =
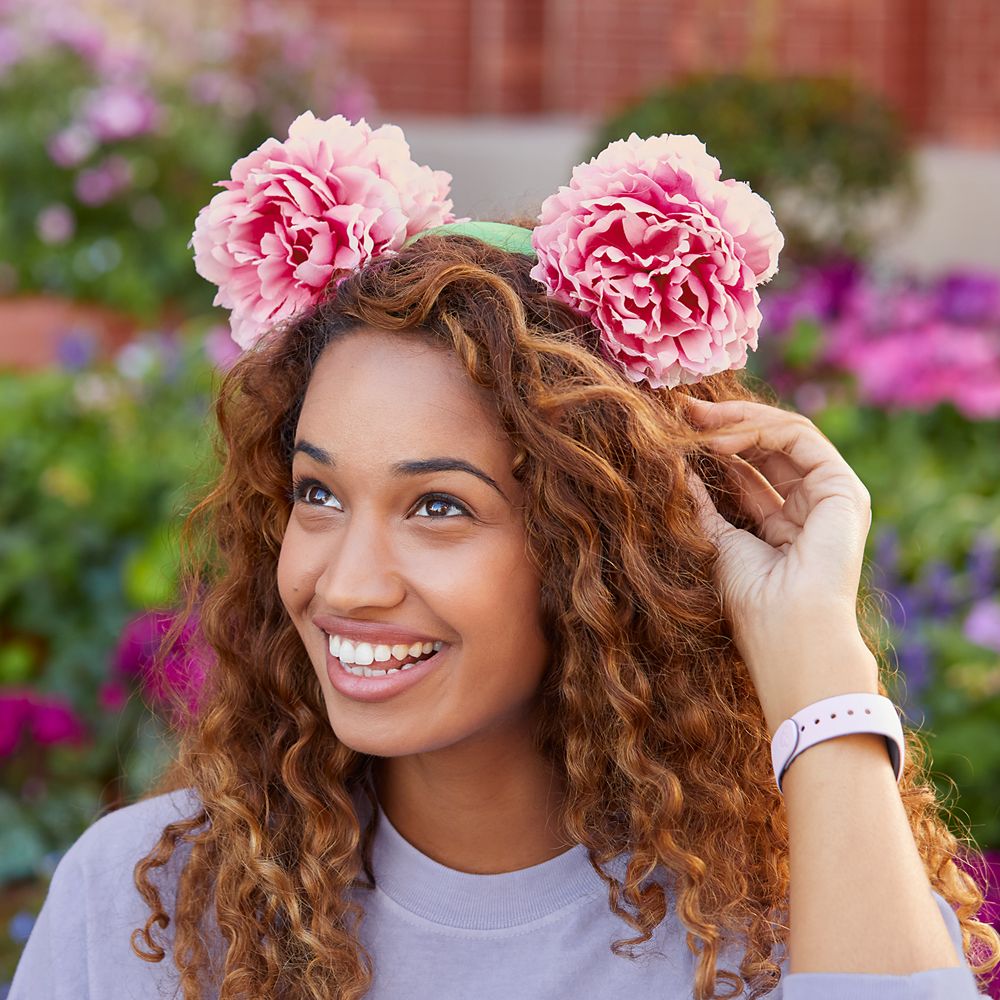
<point x="788" y="445"/>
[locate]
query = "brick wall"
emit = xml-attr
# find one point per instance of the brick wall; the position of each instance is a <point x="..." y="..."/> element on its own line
<point x="935" y="60"/>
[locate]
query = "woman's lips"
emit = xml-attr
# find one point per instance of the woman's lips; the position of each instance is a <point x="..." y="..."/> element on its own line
<point x="377" y="689"/>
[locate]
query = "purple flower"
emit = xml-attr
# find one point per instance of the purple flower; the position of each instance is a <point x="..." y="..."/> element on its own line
<point x="982" y="565"/>
<point x="121" y="111"/>
<point x="982" y="625"/>
<point x="969" y="297"/>
<point x="886" y="556"/>
<point x="915" y="663"/>
<point x="76" y="349"/>
<point x="20" y="926"/>
<point x="54" y="722"/>
<point x="938" y="588"/>
<point x="11" y="48"/>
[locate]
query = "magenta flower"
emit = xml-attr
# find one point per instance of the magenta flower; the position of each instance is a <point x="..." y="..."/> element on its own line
<point x="333" y="195"/>
<point x="184" y="667"/>
<point x="662" y="255"/>
<point x="46" y="719"/>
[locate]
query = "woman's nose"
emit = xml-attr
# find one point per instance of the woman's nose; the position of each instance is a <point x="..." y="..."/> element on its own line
<point x="361" y="569"/>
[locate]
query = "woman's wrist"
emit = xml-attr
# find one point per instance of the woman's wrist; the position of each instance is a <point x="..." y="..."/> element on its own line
<point x="842" y="668"/>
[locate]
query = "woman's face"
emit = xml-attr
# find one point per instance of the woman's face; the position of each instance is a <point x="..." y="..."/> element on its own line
<point x="406" y="527"/>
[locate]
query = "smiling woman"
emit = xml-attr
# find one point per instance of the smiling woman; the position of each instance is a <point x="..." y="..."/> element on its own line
<point x="561" y="786"/>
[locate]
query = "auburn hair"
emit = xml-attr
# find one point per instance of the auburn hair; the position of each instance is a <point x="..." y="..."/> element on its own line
<point x="649" y="712"/>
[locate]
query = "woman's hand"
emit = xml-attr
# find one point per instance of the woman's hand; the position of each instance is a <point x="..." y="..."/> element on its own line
<point x="791" y="594"/>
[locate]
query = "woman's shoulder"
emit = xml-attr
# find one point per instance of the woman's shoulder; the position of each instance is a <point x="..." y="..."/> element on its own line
<point x="80" y="943"/>
<point x="134" y="827"/>
<point x="126" y="834"/>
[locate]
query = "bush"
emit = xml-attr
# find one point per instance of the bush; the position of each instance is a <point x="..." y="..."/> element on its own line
<point x="111" y="141"/>
<point x="96" y="465"/>
<point x="831" y="157"/>
<point x="904" y="377"/>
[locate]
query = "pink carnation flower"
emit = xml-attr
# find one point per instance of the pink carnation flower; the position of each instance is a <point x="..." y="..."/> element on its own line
<point x="333" y="195"/>
<point x="662" y="255"/>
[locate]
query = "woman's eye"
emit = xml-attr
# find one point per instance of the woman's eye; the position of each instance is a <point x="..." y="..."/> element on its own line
<point x="305" y="491"/>
<point x="434" y="506"/>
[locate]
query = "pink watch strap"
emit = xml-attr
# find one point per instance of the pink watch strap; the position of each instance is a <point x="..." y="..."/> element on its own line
<point x="841" y="715"/>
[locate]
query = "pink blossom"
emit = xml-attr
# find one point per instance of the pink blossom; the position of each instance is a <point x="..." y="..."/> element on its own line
<point x="100" y="184"/>
<point x="54" y="722"/>
<point x="55" y="223"/>
<point x="72" y="145"/>
<point x="662" y="255"/>
<point x="120" y="111"/>
<point x="47" y="719"/>
<point x="183" y="668"/>
<point x="919" y="368"/>
<point x="331" y="196"/>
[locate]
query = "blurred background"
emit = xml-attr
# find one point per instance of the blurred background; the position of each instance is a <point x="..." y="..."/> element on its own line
<point x="872" y="127"/>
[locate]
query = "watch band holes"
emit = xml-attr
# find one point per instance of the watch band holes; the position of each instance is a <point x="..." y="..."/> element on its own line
<point x="868" y="711"/>
<point x="850" y="711"/>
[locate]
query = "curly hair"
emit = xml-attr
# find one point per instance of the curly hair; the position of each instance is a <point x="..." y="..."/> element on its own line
<point x="649" y="713"/>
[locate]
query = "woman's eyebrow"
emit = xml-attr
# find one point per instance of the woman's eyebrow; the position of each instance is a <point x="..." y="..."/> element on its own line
<point x="414" y="467"/>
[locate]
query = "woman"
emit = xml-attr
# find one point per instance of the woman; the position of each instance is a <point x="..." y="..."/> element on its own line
<point x="596" y="599"/>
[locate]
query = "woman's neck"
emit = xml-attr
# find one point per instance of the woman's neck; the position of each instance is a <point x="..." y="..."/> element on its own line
<point x="485" y="806"/>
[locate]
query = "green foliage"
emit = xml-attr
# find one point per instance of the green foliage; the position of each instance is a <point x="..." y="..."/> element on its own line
<point x="111" y="142"/>
<point x="822" y="151"/>
<point x="96" y="470"/>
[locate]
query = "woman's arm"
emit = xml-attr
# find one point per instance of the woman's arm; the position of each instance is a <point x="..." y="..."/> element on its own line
<point x="860" y="899"/>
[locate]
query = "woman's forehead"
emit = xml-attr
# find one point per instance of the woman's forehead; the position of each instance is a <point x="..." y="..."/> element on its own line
<point x="398" y="396"/>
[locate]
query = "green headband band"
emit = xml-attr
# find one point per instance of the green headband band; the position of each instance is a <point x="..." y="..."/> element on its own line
<point x="515" y="239"/>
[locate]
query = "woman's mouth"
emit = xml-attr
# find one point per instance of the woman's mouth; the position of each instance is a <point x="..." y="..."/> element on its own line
<point x="370" y="659"/>
<point x="374" y="672"/>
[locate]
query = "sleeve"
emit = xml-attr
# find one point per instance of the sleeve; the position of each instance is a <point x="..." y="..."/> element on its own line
<point x="53" y="963"/>
<point x="957" y="983"/>
<point x="80" y="946"/>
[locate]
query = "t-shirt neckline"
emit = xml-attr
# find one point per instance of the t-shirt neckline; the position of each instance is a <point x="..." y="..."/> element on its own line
<point x="443" y="895"/>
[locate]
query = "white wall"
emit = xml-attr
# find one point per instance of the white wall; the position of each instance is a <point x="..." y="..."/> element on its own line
<point x="504" y="165"/>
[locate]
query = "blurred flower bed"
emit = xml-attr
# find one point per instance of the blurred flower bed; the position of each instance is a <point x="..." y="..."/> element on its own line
<point x="96" y="461"/>
<point x="904" y="377"/>
<point x="118" y="119"/>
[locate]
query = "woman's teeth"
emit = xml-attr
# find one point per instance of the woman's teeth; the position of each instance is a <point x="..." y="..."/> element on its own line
<point x="355" y="657"/>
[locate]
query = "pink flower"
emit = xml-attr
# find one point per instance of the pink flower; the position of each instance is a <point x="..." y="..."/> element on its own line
<point x="662" y="255"/>
<point x="119" y="111"/>
<point x="55" y="223"/>
<point x="48" y="720"/>
<point x="55" y="722"/>
<point x="100" y="184"/>
<point x="333" y="195"/>
<point x="71" y="146"/>
<point x="183" y="669"/>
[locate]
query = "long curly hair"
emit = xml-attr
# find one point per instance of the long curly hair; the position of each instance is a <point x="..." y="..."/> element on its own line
<point x="649" y="713"/>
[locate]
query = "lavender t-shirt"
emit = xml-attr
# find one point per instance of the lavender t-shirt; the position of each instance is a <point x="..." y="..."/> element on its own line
<point x="434" y="933"/>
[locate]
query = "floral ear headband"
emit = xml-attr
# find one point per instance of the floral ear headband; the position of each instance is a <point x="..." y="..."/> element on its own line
<point x="661" y="255"/>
